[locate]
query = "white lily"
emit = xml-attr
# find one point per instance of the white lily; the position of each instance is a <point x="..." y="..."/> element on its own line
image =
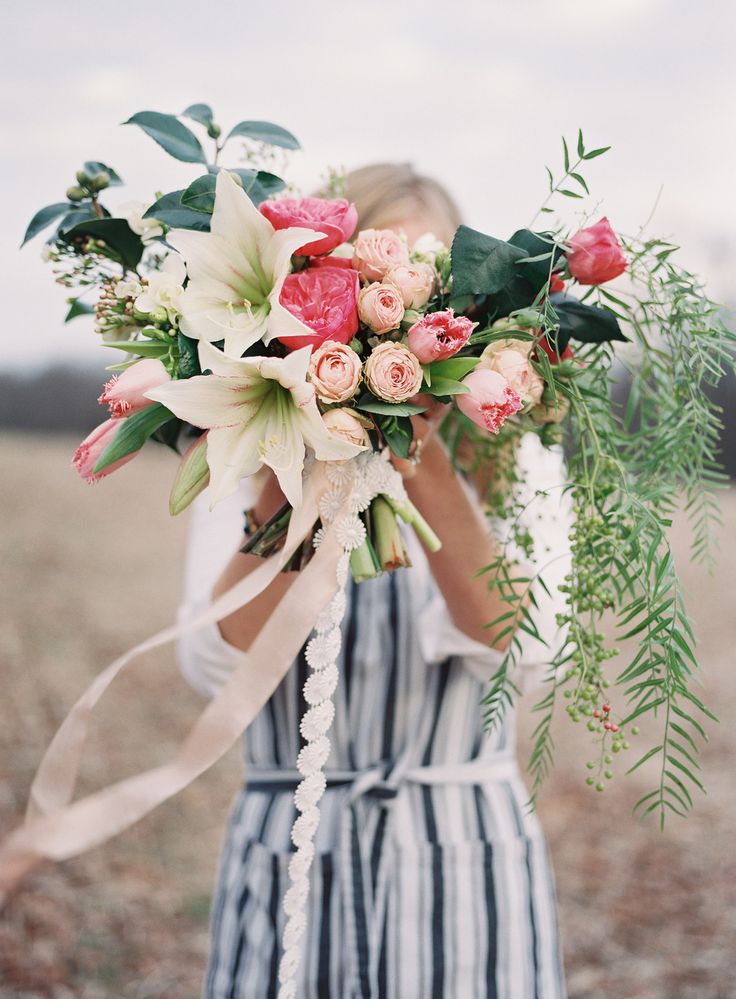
<point x="259" y="411"/>
<point x="236" y="272"/>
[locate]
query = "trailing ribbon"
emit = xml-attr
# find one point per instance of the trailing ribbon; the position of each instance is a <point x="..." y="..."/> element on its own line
<point x="56" y="828"/>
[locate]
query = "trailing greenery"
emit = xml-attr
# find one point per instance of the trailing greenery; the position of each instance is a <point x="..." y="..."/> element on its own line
<point x="631" y="463"/>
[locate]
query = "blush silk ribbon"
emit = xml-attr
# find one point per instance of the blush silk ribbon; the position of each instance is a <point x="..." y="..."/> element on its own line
<point x="56" y="828"/>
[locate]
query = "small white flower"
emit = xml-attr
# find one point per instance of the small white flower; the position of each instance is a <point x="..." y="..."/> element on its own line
<point x="321" y="685"/>
<point x="164" y="289"/>
<point x="317" y="720"/>
<point x="427" y="247"/>
<point x="343" y="567"/>
<point x="133" y="212"/>
<point x="350" y="533"/>
<point x="313" y="756"/>
<point x="128" y="288"/>
<point x="318" y="537"/>
<point x="309" y="791"/>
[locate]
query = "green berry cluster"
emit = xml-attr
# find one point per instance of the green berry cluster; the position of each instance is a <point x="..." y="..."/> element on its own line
<point x="88" y="185"/>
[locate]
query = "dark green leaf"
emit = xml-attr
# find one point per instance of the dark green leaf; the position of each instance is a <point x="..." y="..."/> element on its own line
<point x="166" y="129"/>
<point x="133" y="434"/>
<point x="369" y="404"/>
<point x="398" y="434"/>
<point x="264" y="131"/>
<point x="581" y="146"/>
<point x="200" y="195"/>
<point x="44" y="217"/>
<point x="446" y="386"/>
<point x="565" y="154"/>
<point x="94" y="167"/>
<point x="188" y="357"/>
<point x="78" y="308"/>
<point x="116" y="234"/>
<point x="596" y="152"/>
<point x="173" y="214"/>
<point x="83" y="213"/>
<point x="168" y="434"/>
<point x="143" y="348"/>
<point x="482" y="265"/>
<point x="201" y="113"/>
<point x="587" y="323"/>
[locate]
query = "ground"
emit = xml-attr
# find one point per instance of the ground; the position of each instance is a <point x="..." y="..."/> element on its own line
<point x="86" y="572"/>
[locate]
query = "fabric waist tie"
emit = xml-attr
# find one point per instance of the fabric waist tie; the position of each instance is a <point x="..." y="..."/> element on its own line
<point x="365" y="909"/>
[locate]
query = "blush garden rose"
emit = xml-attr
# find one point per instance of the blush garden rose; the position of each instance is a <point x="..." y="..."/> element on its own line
<point x="392" y="372"/>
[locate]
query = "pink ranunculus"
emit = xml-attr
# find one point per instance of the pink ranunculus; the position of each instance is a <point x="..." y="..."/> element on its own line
<point x="381" y="307"/>
<point x="326" y="300"/>
<point x="392" y="372"/>
<point x="90" y="451"/>
<point x="439" y="335"/>
<point x="491" y="399"/>
<point x="414" y="281"/>
<point x="512" y="359"/>
<point x="335" y="217"/>
<point x="595" y="254"/>
<point x="126" y="393"/>
<point x="334" y="370"/>
<point x="376" y="251"/>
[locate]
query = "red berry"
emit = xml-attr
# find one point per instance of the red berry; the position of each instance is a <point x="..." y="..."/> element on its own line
<point x="597" y="713"/>
<point x="606" y="708"/>
<point x="614" y="728"/>
<point x="607" y="726"/>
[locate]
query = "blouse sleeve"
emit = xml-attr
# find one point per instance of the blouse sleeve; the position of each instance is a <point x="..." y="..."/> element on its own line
<point x="205" y="658"/>
<point x="548" y="517"/>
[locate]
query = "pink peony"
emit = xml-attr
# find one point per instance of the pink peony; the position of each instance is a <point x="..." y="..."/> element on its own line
<point x="381" y="307"/>
<point x="336" y="218"/>
<point x="439" y="335"/>
<point x="334" y="370"/>
<point x="512" y="359"/>
<point x="325" y="300"/>
<point x="332" y="261"/>
<point x="392" y="372"/>
<point x="125" y="394"/>
<point x="90" y="451"/>
<point x="414" y="281"/>
<point x="376" y="251"/>
<point x="491" y="399"/>
<point x="595" y="254"/>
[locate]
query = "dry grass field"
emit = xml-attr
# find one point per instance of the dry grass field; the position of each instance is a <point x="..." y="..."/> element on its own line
<point x="87" y="572"/>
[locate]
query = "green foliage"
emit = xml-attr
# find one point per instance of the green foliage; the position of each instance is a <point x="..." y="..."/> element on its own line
<point x="174" y="137"/>
<point x="169" y="210"/>
<point x="264" y="131"/>
<point x="133" y="434"/>
<point x="111" y="237"/>
<point x="44" y="217"/>
<point x="629" y="465"/>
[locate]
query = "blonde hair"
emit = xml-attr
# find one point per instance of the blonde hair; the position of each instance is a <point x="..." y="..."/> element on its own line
<point x="385" y="192"/>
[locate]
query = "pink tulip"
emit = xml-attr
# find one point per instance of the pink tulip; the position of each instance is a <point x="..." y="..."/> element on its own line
<point x="90" y="451"/>
<point x="491" y="399"/>
<point x="595" y="254"/>
<point x="126" y="393"/>
<point x="439" y="335"/>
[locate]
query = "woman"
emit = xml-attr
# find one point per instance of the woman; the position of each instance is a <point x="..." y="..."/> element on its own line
<point x="434" y="887"/>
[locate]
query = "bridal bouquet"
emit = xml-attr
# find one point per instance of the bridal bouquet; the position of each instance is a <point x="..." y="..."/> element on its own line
<point x="259" y="328"/>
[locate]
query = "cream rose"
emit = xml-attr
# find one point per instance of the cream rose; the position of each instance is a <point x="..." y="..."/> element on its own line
<point x="375" y="251"/>
<point x="414" y="281"/>
<point x="392" y="372"/>
<point x="349" y="425"/>
<point x="512" y="359"/>
<point x="381" y="307"/>
<point x="334" y="370"/>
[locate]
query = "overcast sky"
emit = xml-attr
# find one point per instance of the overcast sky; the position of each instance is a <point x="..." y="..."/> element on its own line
<point x="476" y="92"/>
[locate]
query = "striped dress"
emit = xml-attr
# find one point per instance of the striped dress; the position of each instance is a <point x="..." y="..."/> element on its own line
<point x="431" y="879"/>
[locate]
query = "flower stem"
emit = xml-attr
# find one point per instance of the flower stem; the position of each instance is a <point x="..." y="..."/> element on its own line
<point x="387" y="536"/>
<point x="410" y="515"/>
<point x="364" y="563"/>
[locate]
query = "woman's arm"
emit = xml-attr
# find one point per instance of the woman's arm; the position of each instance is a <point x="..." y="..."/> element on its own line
<point x="467" y="544"/>
<point x="241" y="627"/>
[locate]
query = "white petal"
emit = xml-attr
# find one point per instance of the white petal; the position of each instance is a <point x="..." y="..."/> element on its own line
<point x="232" y="454"/>
<point x="205" y="401"/>
<point x="236" y="217"/>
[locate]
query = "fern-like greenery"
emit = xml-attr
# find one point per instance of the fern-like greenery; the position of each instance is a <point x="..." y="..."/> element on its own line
<point x="631" y="462"/>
